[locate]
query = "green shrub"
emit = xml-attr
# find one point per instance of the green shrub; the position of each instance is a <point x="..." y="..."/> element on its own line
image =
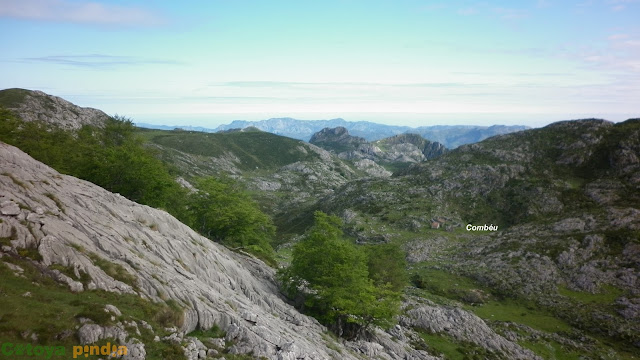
<point x="329" y="278"/>
<point x="223" y="212"/>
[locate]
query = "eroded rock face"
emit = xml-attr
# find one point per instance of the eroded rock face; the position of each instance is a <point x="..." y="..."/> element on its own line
<point x="74" y="218"/>
<point x="39" y="106"/>
<point x="463" y="326"/>
<point x="335" y="135"/>
<point x="368" y="156"/>
<point x="410" y="148"/>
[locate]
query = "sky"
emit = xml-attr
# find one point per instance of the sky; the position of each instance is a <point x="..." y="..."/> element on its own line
<point x="401" y="62"/>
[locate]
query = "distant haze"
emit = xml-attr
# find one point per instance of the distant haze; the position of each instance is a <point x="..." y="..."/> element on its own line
<point x="394" y="119"/>
<point x="450" y="136"/>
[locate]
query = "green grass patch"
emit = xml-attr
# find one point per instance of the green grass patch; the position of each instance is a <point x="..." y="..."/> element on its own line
<point x="522" y="312"/>
<point x="451" y="349"/>
<point x="215" y="332"/>
<point x="114" y="270"/>
<point x="442" y="345"/>
<point x="451" y="286"/>
<point x="50" y="310"/>
<point x="607" y="295"/>
<point x="13" y="97"/>
<point x="552" y="350"/>
<point x="31" y="253"/>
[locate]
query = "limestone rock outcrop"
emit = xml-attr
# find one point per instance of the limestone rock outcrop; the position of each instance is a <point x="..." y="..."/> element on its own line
<point x="39" y="106"/>
<point x="69" y="219"/>
<point x="371" y="156"/>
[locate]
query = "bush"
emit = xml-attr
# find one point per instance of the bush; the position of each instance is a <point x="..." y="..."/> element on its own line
<point x="223" y="212"/>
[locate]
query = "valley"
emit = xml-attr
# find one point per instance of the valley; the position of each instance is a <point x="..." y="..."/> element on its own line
<point x="557" y="278"/>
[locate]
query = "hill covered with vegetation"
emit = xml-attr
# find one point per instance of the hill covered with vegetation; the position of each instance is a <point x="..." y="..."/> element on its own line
<point x="112" y="156"/>
<point x="282" y="174"/>
<point x="525" y="245"/>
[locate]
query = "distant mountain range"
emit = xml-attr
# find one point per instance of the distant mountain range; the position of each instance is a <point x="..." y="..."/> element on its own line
<point x="451" y="136"/>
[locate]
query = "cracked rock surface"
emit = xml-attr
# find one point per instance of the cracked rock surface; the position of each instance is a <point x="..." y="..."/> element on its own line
<point x="73" y="218"/>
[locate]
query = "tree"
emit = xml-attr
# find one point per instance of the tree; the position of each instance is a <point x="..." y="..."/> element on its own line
<point x="225" y="213"/>
<point x="387" y="266"/>
<point x="116" y="159"/>
<point x="329" y="277"/>
<point x="112" y="156"/>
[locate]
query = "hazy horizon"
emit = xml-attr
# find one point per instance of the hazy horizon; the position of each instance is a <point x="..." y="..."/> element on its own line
<point x="411" y="120"/>
<point x="412" y="63"/>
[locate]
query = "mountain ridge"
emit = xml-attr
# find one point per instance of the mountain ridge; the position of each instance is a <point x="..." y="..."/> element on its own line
<point x="449" y="135"/>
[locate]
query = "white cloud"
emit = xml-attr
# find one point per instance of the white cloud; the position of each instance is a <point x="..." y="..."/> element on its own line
<point x="616" y="55"/>
<point x="619" y="5"/>
<point x="82" y="12"/>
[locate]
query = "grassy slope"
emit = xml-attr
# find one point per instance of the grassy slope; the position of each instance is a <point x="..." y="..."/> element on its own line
<point x="255" y="150"/>
<point x="12" y="97"/>
<point x="43" y="307"/>
<point x="32" y="303"/>
<point x="509" y="314"/>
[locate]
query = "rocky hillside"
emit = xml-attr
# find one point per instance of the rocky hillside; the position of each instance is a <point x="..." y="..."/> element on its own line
<point x="411" y="148"/>
<point x="523" y="246"/>
<point x="56" y="229"/>
<point x="378" y="158"/>
<point x="281" y="172"/>
<point x="549" y="217"/>
<point x="336" y="139"/>
<point x="38" y="106"/>
<point x="110" y="269"/>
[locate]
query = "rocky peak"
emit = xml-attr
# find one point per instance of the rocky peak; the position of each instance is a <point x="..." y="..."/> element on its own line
<point x="428" y="148"/>
<point x="407" y="138"/>
<point x="335" y="135"/>
<point x="432" y="150"/>
<point x="35" y="105"/>
<point x="371" y="157"/>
